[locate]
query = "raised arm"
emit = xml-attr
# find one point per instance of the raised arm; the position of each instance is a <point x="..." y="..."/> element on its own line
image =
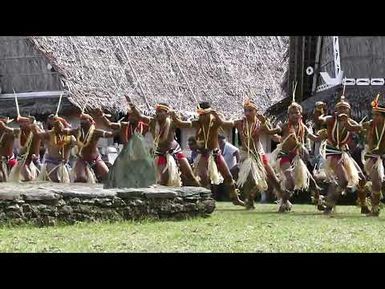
<point x="178" y="122"/>
<point x="221" y="121"/>
<point x="23" y="119"/>
<point x="106" y="121"/>
<point x="324" y="119"/>
<point x="138" y="114"/>
<point x="349" y="123"/>
<point x="316" y="137"/>
<point x="41" y="133"/>
<point x="6" y="128"/>
<point x="37" y="130"/>
<point x="99" y="133"/>
<point x="265" y="127"/>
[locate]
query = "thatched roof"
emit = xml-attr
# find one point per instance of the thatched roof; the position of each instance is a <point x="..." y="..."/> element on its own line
<point x="179" y="70"/>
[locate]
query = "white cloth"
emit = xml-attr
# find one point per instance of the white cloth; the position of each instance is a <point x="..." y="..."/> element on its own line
<point x="228" y="155"/>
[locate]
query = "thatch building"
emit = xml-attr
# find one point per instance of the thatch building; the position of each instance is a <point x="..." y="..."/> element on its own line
<point x="100" y="70"/>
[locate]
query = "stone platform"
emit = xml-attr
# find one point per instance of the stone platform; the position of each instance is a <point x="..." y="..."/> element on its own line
<point x="48" y="203"/>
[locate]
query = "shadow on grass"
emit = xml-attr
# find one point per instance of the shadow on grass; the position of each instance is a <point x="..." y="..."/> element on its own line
<point x="299" y="214"/>
<point x="332" y="216"/>
<point x="230" y="210"/>
<point x="350" y="216"/>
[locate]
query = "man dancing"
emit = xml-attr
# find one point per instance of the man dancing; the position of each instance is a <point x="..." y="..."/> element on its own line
<point x="211" y="167"/>
<point x="168" y="153"/>
<point x="290" y="156"/>
<point x="58" y="144"/>
<point x="255" y="170"/>
<point x="89" y="166"/>
<point x="28" y="165"/>
<point x="126" y="128"/>
<point x="340" y="168"/>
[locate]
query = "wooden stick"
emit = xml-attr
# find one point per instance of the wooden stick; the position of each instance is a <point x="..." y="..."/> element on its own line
<point x="17" y="103"/>
<point x="128" y="98"/>
<point x="58" y="106"/>
<point x="84" y="107"/>
<point x="180" y="69"/>
<point x="377" y="97"/>
<point x="295" y="88"/>
<point x="134" y="73"/>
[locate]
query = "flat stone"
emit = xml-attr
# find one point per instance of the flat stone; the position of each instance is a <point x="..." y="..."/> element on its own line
<point x="191" y="198"/>
<point x="59" y="187"/>
<point x="40" y="195"/>
<point x="131" y="193"/>
<point x="159" y="193"/>
<point x="88" y="193"/>
<point x="9" y="196"/>
<point x="192" y="191"/>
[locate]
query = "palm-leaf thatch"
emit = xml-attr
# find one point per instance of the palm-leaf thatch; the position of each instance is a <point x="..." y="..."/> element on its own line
<point x="176" y="70"/>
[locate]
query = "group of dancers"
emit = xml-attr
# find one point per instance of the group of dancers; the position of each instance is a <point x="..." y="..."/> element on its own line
<point x="286" y="169"/>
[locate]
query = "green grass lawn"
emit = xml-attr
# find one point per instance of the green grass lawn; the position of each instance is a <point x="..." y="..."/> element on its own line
<point x="229" y="229"/>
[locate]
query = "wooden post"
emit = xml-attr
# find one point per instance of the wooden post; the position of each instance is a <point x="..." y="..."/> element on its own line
<point x="316" y="64"/>
<point x="302" y="70"/>
<point x="295" y="52"/>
